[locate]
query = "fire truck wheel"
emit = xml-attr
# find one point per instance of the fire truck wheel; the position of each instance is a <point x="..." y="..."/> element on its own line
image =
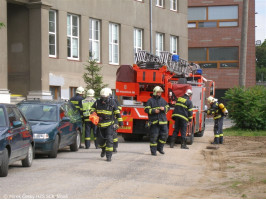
<point x="190" y="139"/>
<point x="134" y="137"/>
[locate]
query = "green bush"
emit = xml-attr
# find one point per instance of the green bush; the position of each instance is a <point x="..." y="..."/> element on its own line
<point x="247" y="107"/>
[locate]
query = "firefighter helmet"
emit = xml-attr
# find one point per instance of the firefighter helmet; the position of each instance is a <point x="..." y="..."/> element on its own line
<point x="105" y="92"/>
<point x="110" y="91"/>
<point x="210" y="99"/>
<point x="90" y="93"/>
<point x="80" y="90"/>
<point x="189" y="92"/>
<point x="157" y="89"/>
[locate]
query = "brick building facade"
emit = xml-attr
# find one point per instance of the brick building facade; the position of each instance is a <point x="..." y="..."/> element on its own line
<point x="215" y="32"/>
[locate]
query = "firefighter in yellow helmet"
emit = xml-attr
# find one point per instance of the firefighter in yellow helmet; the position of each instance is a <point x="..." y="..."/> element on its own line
<point x="89" y="126"/>
<point x="182" y="114"/>
<point x="157" y="108"/>
<point x="218" y="111"/>
<point x="106" y="109"/>
<point x="77" y="103"/>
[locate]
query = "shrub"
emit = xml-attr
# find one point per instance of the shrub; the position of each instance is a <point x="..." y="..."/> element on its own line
<point x="247" y="107"/>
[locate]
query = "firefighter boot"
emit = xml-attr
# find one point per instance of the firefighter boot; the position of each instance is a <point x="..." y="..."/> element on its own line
<point x="153" y="150"/>
<point x="103" y="152"/>
<point x="87" y="144"/>
<point x="183" y="143"/>
<point x="221" y="138"/>
<point x="172" y="142"/>
<point x="216" y="140"/>
<point x="160" y="148"/>
<point x="108" y="156"/>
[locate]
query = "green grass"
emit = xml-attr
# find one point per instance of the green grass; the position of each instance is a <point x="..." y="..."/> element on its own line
<point x="244" y="196"/>
<point x="240" y="132"/>
<point x="236" y="184"/>
<point x="264" y="181"/>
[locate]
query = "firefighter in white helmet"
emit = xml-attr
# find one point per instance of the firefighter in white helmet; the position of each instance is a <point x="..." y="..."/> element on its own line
<point x="77" y="102"/>
<point x="218" y="111"/>
<point x="182" y="114"/>
<point x="89" y="126"/>
<point x="157" y="108"/>
<point x="106" y="109"/>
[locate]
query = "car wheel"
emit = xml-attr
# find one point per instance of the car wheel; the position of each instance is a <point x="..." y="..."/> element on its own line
<point x="27" y="162"/>
<point x="4" y="165"/>
<point x="76" y="144"/>
<point x="54" y="152"/>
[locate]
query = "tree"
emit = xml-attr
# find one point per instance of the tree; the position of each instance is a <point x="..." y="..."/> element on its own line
<point x="92" y="77"/>
<point x="2" y="25"/>
<point x="261" y="62"/>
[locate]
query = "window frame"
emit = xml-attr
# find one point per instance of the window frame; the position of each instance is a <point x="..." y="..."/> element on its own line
<point x="218" y="21"/>
<point x="91" y="39"/>
<point x="218" y="62"/>
<point x="111" y="54"/>
<point x="171" y="5"/>
<point x="136" y="48"/>
<point x="53" y="33"/>
<point x="171" y="39"/>
<point x="157" y="50"/>
<point x="158" y="3"/>
<point x="73" y="37"/>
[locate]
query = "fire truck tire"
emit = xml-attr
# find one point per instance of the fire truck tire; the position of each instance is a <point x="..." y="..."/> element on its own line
<point x="190" y="139"/>
<point x="134" y="137"/>
<point x="182" y="80"/>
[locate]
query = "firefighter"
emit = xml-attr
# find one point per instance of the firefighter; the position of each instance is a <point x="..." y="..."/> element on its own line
<point x="182" y="114"/>
<point x="115" y="140"/>
<point x="156" y="108"/>
<point x="77" y="103"/>
<point x="89" y="126"/>
<point x="106" y="109"/>
<point x="218" y="111"/>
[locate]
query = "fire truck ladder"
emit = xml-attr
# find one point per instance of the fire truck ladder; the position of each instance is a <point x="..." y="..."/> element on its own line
<point x="180" y="67"/>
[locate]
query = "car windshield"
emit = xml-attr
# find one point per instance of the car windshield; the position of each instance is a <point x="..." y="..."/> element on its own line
<point x="39" y="112"/>
<point x="2" y="117"/>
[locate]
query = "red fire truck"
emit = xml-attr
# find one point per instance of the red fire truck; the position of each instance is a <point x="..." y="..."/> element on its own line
<point x="134" y="86"/>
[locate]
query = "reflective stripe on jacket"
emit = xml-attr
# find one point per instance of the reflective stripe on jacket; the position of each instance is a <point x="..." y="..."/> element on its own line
<point x="77" y="102"/>
<point x="183" y="108"/>
<point x="217" y="110"/>
<point x="86" y="106"/>
<point x="155" y="102"/>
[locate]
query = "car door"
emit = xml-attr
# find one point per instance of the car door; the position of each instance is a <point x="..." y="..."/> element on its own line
<point x="65" y="126"/>
<point x="24" y="131"/>
<point x="14" y="136"/>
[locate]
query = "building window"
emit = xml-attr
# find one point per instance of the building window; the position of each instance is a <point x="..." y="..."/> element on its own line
<point x="215" y="57"/>
<point x="56" y="92"/>
<point x="72" y="92"/>
<point x="95" y="40"/>
<point x="173" y="5"/>
<point x="159" y="43"/>
<point x="212" y="16"/>
<point x="73" y="37"/>
<point x="138" y="41"/>
<point x="174" y="44"/>
<point x="160" y="3"/>
<point x="52" y="33"/>
<point x="113" y="43"/>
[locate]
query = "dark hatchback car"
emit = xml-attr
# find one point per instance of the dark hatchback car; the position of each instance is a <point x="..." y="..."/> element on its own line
<point x="16" y="139"/>
<point x="55" y="125"/>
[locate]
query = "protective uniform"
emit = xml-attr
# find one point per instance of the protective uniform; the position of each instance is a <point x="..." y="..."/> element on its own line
<point x="106" y="109"/>
<point x="89" y="126"/>
<point x="77" y="103"/>
<point x="182" y="114"/>
<point x="218" y="111"/>
<point x="158" y="121"/>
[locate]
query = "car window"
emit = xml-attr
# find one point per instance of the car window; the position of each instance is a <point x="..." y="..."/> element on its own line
<point x="73" y="114"/>
<point x="19" y="117"/>
<point x="39" y="112"/>
<point x="2" y="117"/>
<point x="11" y="116"/>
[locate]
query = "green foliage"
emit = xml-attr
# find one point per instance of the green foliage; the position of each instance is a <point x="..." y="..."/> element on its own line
<point x="2" y="25"/>
<point x="261" y="62"/>
<point x="234" y="131"/>
<point x="92" y="77"/>
<point x="247" y="107"/>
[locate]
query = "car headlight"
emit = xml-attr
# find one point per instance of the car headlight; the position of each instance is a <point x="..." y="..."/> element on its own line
<point x="40" y="136"/>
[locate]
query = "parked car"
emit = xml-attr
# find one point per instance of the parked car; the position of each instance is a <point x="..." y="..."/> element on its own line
<point x="16" y="139"/>
<point x="55" y="125"/>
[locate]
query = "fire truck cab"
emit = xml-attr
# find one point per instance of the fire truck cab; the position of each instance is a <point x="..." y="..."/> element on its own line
<point x="134" y="86"/>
